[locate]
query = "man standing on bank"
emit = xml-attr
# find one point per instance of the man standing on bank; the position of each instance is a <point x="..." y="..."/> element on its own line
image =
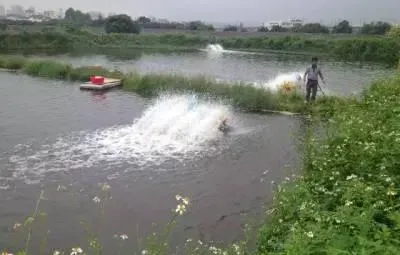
<point x="311" y="75"/>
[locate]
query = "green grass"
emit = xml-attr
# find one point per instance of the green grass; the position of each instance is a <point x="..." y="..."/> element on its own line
<point x="242" y="96"/>
<point x="347" y="201"/>
<point x="380" y="49"/>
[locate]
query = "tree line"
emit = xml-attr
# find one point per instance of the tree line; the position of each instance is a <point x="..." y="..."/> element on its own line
<point x="122" y="23"/>
<point x="343" y="27"/>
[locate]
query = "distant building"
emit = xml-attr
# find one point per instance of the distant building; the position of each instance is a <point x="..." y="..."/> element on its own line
<point x="61" y="13"/>
<point x="16" y="11"/>
<point x="2" y="12"/>
<point x="50" y="14"/>
<point x="286" y="24"/>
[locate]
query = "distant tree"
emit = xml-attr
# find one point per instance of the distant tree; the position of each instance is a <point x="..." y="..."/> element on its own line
<point x="198" y="25"/>
<point x="231" y="28"/>
<point x="315" y="28"/>
<point x="277" y="28"/>
<point x="143" y="20"/>
<point x="121" y="23"/>
<point x="77" y="17"/>
<point x="263" y="29"/>
<point x="378" y="28"/>
<point x="343" y="27"/>
<point x="69" y="14"/>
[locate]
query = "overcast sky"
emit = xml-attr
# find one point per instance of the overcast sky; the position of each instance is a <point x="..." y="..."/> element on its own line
<point x="251" y="12"/>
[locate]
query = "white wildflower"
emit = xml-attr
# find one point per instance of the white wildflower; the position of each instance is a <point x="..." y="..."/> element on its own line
<point x="178" y="197"/>
<point x="144" y="252"/>
<point x="350" y="177"/>
<point x="61" y="188"/>
<point x="391" y="193"/>
<point x="17" y="226"/>
<point x="123" y="236"/>
<point x="76" y="251"/>
<point x="56" y="252"/>
<point x="96" y="200"/>
<point x="185" y="200"/>
<point x="348" y="203"/>
<point x="181" y="209"/>
<point x="236" y="247"/>
<point x="310" y="234"/>
<point x="105" y="187"/>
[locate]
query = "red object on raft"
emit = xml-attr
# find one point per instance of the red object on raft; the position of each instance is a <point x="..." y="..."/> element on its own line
<point x="98" y="80"/>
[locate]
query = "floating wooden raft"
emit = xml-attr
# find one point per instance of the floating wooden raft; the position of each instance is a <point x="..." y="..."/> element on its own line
<point x="108" y="84"/>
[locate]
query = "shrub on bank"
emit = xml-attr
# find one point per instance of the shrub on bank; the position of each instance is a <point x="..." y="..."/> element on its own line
<point x="347" y="201"/>
<point x="12" y="62"/>
<point x="47" y="68"/>
<point x="380" y="49"/>
<point x="243" y="96"/>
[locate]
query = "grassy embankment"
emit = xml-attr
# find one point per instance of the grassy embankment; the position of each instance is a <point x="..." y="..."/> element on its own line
<point x="347" y="201"/>
<point x="242" y="96"/>
<point x="375" y="49"/>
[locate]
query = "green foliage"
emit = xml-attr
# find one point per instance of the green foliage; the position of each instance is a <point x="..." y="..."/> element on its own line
<point x="277" y="28"/>
<point x="47" y="68"/>
<point x="263" y="29"/>
<point x="378" y="49"/>
<point x="231" y="28"/>
<point x="343" y="27"/>
<point x="347" y="200"/>
<point x="12" y="62"/>
<point x="3" y="27"/>
<point x="311" y="28"/>
<point x="394" y="32"/>
<point x="198" y="25"/>
<point x="77" y="17"/>
<point x="378" y="28"/>
<point x="121" y="23"/>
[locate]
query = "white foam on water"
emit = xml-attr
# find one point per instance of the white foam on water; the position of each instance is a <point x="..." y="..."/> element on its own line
<point x="215" y="47"/>
<point x="275" y="83"/>
<point x="177" y="127"/>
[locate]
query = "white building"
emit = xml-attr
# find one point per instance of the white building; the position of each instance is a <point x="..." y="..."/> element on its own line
<point x="17" y="11"/>
<point x="50" y="14"/>
<point x="286" y="24"/>
<point x="2" y="11"/>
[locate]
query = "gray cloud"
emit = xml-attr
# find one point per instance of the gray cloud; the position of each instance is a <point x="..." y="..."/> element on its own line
<point x="233" y="11"/>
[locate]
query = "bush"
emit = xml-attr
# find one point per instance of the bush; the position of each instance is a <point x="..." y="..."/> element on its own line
<point x="394" y="32"/>
<point x="347" y="201"/>
<point x="48" y="68"/>
<point x="121" y="24"/>
<point x="342" y="27"/>
<point x="12" y="62"/>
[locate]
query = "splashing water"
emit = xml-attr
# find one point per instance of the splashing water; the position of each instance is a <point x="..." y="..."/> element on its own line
<point x="175" y="127"/>
<point x="274" y="84"/>
<point x="215" y="47"/>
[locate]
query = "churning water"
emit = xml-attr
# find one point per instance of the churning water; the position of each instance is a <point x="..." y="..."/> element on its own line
<point x="175" y="127"/>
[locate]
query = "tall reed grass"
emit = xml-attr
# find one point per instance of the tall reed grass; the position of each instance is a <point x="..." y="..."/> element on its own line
<point x="242" y="96"/>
